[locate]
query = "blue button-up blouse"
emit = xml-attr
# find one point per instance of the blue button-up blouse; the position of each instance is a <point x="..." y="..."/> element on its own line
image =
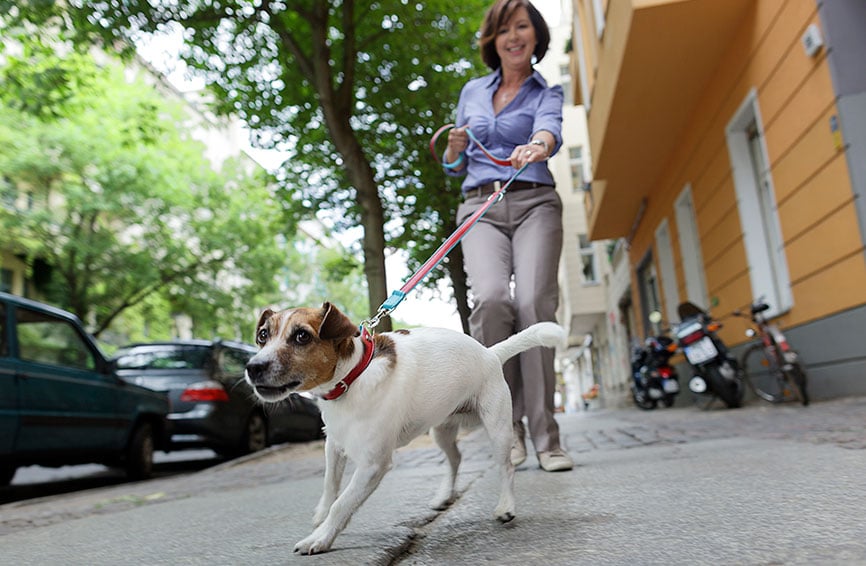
<point x="536" y="107"/>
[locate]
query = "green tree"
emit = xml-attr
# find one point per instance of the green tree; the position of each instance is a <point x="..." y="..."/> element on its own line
<point x="353" y="90"/>
<point x="119" y="202"/>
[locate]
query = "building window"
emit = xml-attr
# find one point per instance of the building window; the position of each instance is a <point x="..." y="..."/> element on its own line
<point x="5" y="280"/>
<point x="8" y="194"/>
<point x="598" y="12"/>
<point x="756" y="203"/>
<point x="690" y="249"/>
<point x="648" y="287"/>
<point x="587" y="259"/>
<point x="575" y="160"/>
<point x="667" y="270"/>
<point x="565" y="82"/>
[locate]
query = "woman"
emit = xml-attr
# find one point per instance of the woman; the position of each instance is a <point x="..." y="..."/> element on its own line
<point x="512" y="255"/>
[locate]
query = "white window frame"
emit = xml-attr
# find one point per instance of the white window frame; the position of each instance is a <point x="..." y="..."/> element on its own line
<point x="578" y="162"/>
<point x="690" y="248"/>
<point x="758" y="209"/>
<point x="577" y="45"/>
<point x="598" y="12"/>
<point x="565" y="82"/>
<point x="665" y="258"/>
<point x="588" y="251"/>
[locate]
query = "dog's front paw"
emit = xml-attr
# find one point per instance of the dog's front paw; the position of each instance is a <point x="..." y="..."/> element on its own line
<point x="316" y="543"/>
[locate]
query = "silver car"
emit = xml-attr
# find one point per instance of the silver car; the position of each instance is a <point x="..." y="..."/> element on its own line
<point x="212" y="406"/>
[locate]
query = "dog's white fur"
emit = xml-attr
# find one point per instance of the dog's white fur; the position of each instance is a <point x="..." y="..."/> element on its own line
<point x="422" y="379"/>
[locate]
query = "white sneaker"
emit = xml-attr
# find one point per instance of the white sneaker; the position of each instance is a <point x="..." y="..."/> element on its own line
<point x="555" y="461"/>
<point x="518" y="448"/>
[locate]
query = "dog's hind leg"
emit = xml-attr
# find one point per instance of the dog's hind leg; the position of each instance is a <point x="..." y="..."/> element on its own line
<point x="495" y="413"/>
<point x="364" y="481"/>
<point x="445" y="436"/>
<point x="335" y="464"/>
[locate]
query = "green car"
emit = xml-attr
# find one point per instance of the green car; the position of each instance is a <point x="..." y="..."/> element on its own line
<point x="61" y="402"/>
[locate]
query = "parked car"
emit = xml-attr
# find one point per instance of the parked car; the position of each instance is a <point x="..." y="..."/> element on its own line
<point x="212" y="405"/>
<point x="61" y="402"/>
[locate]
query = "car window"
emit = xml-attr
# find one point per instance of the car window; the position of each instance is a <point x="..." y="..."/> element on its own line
<point x="48" y="340"/>
<point x="234" y="361"/>
<point x="166" y="356"/>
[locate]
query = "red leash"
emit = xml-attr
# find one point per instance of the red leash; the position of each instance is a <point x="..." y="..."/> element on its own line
<point x="397" y="296"/>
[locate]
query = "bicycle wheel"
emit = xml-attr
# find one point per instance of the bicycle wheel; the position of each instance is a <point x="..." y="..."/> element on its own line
<point x="765" y="376"/>
<point x="796" y="376"/>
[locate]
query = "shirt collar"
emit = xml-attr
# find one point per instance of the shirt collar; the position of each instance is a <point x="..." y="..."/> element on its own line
<point x="494" y="78"/>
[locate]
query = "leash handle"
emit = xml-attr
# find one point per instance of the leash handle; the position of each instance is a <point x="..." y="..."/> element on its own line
<point x="459" y="160"/>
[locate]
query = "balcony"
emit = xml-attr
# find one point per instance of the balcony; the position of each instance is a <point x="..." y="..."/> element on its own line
<point x="654" y="62"/>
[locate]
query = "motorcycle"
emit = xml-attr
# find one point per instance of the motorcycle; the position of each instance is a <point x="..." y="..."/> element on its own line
<point x="717" y="373"/>
<point x="654" y="379"/>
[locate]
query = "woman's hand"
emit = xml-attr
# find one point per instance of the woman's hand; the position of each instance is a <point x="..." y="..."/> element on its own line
<point x="458" y="141"/>
<point x="528" y="153"/>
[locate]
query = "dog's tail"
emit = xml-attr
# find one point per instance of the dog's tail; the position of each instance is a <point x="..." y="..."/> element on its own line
<point x="547" y="334"/>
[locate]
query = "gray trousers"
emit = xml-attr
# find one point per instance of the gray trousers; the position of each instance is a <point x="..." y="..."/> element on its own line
<point x="511" y="257"/>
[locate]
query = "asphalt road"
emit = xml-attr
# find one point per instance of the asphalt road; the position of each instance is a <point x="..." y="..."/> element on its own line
<point x="758" y="485"/>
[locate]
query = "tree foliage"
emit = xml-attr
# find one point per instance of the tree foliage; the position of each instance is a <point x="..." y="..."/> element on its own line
<point x="352" y="90"/>
<point x="104" y="187"/>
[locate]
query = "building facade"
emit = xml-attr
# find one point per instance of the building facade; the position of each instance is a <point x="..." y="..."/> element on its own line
<point x="583" y="265"/>
<point x="729" y="151"/>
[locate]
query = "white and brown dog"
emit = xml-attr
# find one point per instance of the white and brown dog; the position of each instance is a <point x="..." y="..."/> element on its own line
<point x="407" y="383"/>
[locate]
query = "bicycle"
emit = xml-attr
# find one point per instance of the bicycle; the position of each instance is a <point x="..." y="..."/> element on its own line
<point x="772" y="369"/>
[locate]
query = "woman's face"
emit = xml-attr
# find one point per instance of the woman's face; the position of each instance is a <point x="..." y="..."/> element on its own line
<point x="515" y="41"/>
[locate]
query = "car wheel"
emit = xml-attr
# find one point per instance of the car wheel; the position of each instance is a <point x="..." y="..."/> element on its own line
<point x="7" y="472"/>
<point x="139" y="453"/>
<point x="255" y="436"/>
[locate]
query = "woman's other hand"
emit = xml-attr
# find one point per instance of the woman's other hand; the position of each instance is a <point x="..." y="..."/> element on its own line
<point x="458" y="141"/>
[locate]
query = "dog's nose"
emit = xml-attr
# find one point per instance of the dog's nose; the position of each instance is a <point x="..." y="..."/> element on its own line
<point x="255" y="370"/>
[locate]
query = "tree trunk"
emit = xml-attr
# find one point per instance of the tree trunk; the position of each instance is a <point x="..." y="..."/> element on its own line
<point x="336" y="103"/>
<point x="460" y="285"/>
<point x="372" y="216"/>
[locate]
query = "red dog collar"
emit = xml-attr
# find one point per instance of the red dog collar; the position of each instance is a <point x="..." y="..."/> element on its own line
<point x="343" y="385"/>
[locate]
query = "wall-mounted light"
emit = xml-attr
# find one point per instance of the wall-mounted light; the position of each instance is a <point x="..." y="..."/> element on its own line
<point x="812" y="40"/>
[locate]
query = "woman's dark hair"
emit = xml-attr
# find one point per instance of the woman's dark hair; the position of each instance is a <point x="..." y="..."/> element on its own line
<point x="496" y="16"/>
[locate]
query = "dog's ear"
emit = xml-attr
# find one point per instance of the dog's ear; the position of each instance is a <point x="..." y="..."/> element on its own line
<point x="263" y="318"/>
<point x="336" y="325"/>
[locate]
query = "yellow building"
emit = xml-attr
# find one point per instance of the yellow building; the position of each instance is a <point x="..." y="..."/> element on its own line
<point x="729" y="149"/>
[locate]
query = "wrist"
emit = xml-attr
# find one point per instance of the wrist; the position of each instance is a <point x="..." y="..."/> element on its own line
<point x="543" y="144"/>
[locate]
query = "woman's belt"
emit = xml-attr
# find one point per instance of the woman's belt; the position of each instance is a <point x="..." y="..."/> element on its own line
<point x="490" y="188"/>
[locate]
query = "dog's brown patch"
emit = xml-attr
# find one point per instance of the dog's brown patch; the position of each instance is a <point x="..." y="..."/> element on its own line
<point x="385" y="348"/>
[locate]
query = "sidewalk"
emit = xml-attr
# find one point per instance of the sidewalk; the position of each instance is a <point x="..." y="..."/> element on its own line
<point x="758" y="485"/>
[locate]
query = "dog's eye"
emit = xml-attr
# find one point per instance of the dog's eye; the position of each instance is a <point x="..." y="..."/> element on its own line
<point x="262" y="336"/>
<point x="303" y="337"/>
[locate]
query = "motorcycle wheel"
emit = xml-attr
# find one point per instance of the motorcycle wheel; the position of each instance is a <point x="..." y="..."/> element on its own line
<point x="730" y="392"/>
<point x="668" y="400"/>
<point x="643" y="402"/>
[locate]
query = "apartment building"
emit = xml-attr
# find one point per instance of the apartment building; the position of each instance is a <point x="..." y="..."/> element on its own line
<point x="583" y="264"/>
<point x="728" y="146"/>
